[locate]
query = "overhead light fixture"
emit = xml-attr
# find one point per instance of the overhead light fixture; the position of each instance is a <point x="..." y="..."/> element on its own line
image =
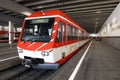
<point x="98" y="12"/>
<point x="26" y="13"/>
<point x="39" y="7"/>
<point x="96" y="22"/>
<point x="97" y="18"/>
<point x="96" y="25"/>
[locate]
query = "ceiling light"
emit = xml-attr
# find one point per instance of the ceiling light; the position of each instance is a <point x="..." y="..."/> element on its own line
<point x="39" y="7"/>
<point x="98" y="12"/>
<point x="26" y="13"/>
<point x="96" y="25"/>
<point x="97" y="18"/>
<point x="96" y="22"/>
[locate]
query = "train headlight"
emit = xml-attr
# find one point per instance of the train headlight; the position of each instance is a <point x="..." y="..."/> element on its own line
<point x="45" y="53"/>
<point x="20" y="51"/>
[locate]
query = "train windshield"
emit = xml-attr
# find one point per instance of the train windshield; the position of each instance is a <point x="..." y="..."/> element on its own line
<point x="38" y="30"/>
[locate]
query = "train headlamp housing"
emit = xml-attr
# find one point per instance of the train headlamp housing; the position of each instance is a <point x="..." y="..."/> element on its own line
<point x="45" y="53"/>
<point x="20" y="51"/>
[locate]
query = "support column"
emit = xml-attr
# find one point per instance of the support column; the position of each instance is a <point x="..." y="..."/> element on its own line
<point x="10" y="34"/>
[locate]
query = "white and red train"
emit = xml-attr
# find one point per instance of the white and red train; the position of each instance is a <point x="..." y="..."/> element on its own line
<point x="49" y="38"/>
<point x="4" y="36"/>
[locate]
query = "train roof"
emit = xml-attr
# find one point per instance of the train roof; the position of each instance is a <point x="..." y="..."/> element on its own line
<point x="52" y="13"/>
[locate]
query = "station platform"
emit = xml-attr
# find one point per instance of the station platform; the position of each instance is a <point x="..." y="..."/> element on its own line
<point x="6" y="44"/>
<point x="102" y="62"/>
<point x="8" y="56"/>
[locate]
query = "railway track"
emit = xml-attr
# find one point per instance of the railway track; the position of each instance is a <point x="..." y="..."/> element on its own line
<point x="11" y="72"/>
<point x="22" y="73"/>
<point x="29" y="74"/>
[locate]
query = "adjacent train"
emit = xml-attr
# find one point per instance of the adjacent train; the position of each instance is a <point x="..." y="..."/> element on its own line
<point x="49" y="38"/>
<point x="4" y="36"/>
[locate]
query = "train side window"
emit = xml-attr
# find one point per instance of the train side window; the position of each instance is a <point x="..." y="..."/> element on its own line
<point x="74" y="34"/>
<point x="64" y="32"/>
<point x="70" y="32"/>
<point x="79" y="34"/>
<point x="59" y="32"/>
<point x="82" y="35"/>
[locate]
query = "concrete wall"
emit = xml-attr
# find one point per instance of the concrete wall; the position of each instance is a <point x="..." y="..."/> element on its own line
<point x="112" y="25"/>
<point x="110" y="31"/>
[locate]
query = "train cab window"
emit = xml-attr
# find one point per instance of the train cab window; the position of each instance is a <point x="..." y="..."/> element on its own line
<point x="38" y="30"/>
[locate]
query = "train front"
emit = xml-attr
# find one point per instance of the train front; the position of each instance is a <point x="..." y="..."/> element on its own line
<point x="36" y="42"/>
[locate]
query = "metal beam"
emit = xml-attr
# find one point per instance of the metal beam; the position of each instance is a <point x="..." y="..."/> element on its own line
<point x="97" y="3"/>
<point x="7" y="18"/>
<point x="91" y="7"/>
<point x="94" y="10"/>
<point x="10" y="5"/>
<point x="75" y="4"/>
<point x="38" y="3"/>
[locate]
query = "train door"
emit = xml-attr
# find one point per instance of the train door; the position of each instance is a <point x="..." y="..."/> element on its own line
<point x="63" y="34"/>
<point x="63" y="40"/>
<point x="61" y="37"/>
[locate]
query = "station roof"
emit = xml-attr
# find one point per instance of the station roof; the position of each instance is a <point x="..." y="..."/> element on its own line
<point x="90" y="14"/>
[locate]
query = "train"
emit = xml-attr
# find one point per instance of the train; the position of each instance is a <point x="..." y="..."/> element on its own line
<point x="48" y="39"/>
<point x="4" y="36"/>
